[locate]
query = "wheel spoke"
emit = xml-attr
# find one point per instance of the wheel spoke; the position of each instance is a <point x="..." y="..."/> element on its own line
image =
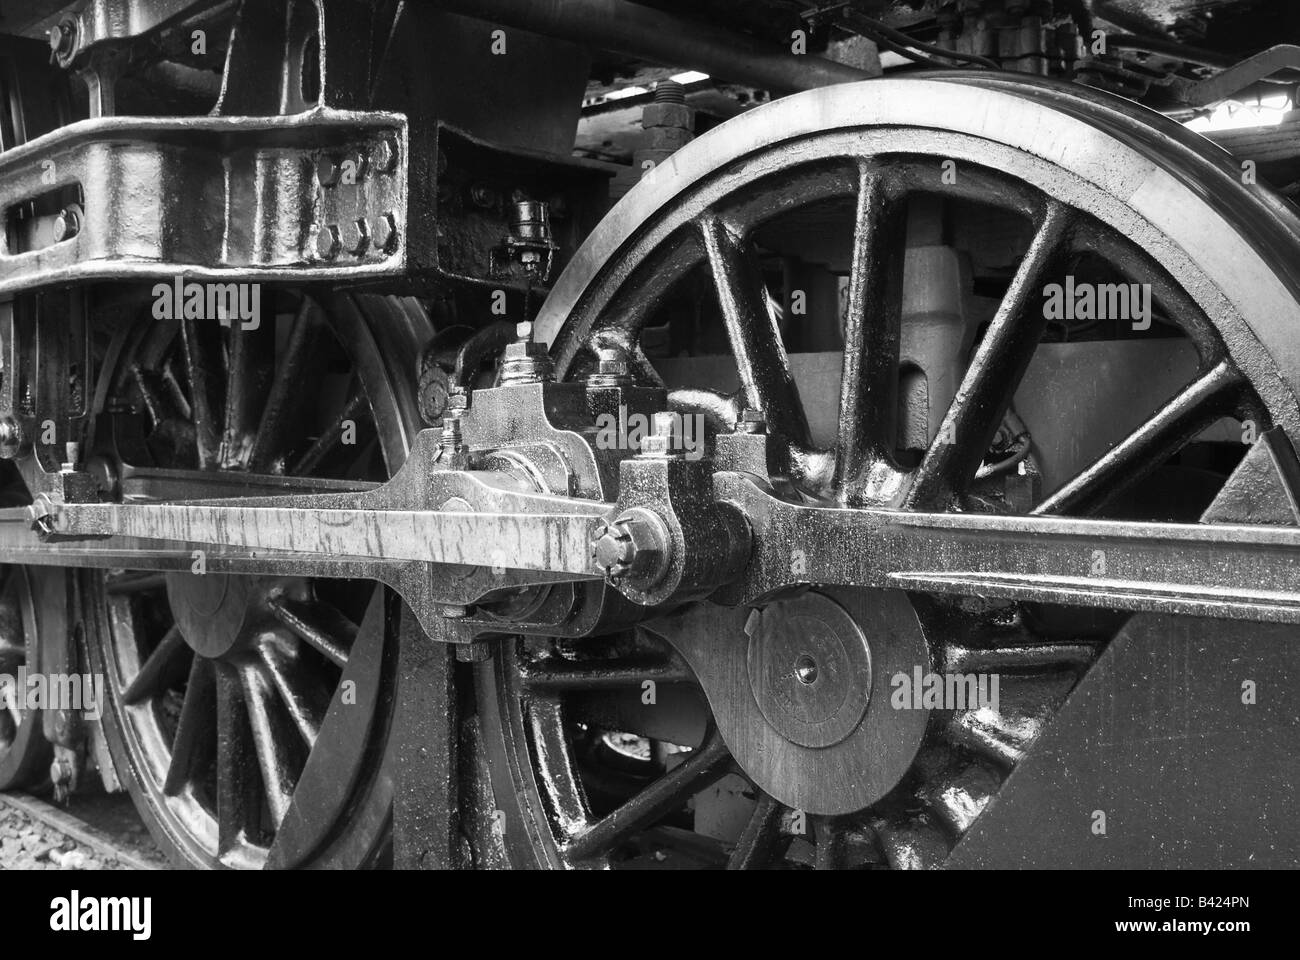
<point x="237" y="794"/>
<point x="165" y="667"/>
<point x="252" y="361"/>
<point x="670" y="790"/>
<point x="353" y="410"/>
<point x="1173" y="426"/>
<point x="869" y="381"/>
<point x="195" y="743"/>
<point x="996" y="369"/>
<point x="158" y="403"/>
<point x="202" y="342"/>
<point x="287" y="392"/>
<point x="757" y="841"/>
<point x="304" y="695"/>
<point x="761" y="361"/>
<point x="318" y="624"/>
<point x="272" y="737"/>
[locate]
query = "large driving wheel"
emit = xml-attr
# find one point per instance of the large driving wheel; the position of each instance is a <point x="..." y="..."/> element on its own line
<point x="907" y="192"/>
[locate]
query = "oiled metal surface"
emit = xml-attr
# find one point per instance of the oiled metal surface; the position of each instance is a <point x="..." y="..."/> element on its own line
<point x="1165" y="739"/>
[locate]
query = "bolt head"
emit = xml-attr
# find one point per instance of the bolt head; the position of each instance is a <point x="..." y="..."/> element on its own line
<point x="634" y="545"/>
<point x="433" y="394"/>
<point x="328" y="242"/>
<point x="612" y="551"/>
<point x="751" y="421"/>
<point x="677" y="115"/>
<point x="357" y="237"/>
<point x="328" y="170"/>
<point x="384" y="234"/>
<point x="524" y="331"/>
<point x="385" y="155"/>
<point x="62" y="38"/>
<point x="67" y="225"/>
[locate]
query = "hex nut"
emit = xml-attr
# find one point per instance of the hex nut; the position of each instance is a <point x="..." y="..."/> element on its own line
<point x="385" y="155"/>
<point x="667" y="138"/>
<point x="328" y="170"/>
<point x="356" y="237"/>
<point x="328" y="242"/>
<point x="668" y="115"/>
<point x="385" y="234"/>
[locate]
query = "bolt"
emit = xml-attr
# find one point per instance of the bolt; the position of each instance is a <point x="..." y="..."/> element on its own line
<point x="328" y="242"/>
<point x="454" y="612"/>
<point x="751" y="421"/>
<point x="525" y="360"/>
<point x="476" y="651"/>
<point x="72" y="451"/>
<point x="385" y="233"/>
<point x="328" y="170"/>
<point x="385" y="155"/>
<point x="669" y="91"/>
<point x="63" y="38"/>
<point x="483" y="196"/>
<point x="67" y="225"/>
<point x="433" y="394"/>
<point x="357" y="239"/>
<point x="452" y="437"/>
<point x="612" y="551"/>
<point x="635" y="545"/>
<point x="11" y="437"/>
<point x="612" y="368"/>
<point x="665" y="438"/>
<point x="805" y="670"/>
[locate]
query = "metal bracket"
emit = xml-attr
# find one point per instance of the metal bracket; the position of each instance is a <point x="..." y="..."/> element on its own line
<point x="1223" y="86"/>
<point x="335" y="174"/>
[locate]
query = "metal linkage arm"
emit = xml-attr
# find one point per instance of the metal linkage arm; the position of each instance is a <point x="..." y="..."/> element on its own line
<point x="556" y="543"/>
<point x="1230" y="571"/>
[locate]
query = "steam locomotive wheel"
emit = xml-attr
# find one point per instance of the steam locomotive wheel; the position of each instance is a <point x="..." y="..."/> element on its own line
<point x="249" y="715"/>
<point x="24" y="752"/>
<point x="592" y="764"/>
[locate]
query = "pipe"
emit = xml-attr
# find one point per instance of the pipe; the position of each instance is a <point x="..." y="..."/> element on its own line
<point x="647" y="34"/>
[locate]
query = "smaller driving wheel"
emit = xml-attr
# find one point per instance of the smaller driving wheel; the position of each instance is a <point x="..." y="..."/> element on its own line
<point x="249" y="715"/>
<point x="24" y="752"/>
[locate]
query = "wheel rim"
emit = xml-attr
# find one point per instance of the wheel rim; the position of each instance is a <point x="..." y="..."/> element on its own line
<point x="1218" y="269"/>
<point x="250" y="714"/>
<point x="24" y="752"/>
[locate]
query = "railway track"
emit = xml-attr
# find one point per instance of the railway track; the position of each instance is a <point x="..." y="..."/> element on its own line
<point x="99" y="832"/>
